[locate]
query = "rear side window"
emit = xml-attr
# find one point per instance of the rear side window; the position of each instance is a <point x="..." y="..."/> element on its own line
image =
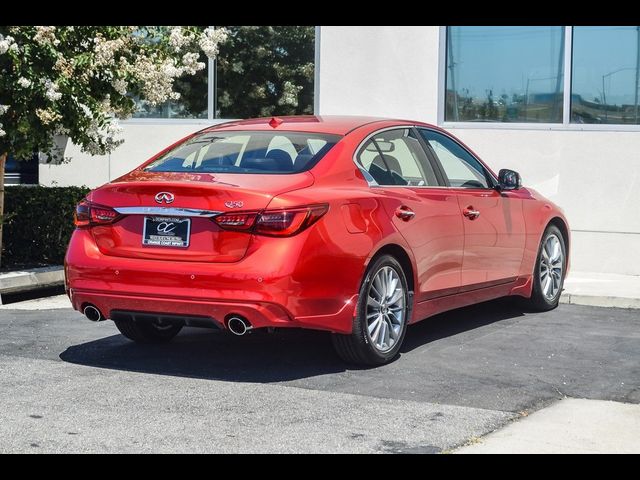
<point x="395" y="157"/>
<point x="246" y="152"/>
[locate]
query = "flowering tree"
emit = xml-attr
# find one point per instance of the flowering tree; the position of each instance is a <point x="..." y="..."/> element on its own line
<point x="266" y="70"/>
<point x="78" y="81"/>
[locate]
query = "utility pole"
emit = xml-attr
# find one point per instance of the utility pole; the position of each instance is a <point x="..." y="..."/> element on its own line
<point x="557" y="101"/>
<point x="452" y="76"/>
<point x="604" y="100"/>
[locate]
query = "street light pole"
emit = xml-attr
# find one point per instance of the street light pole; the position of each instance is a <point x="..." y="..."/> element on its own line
<point x="604" y="92"/>
<point x="604" y="99"/>
<point x="526" y="92"/>
<point x="452" y="76"/>
<point x="526" y="100"/>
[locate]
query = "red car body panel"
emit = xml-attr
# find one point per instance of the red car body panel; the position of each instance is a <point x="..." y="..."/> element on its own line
<point x="311" y="279"/>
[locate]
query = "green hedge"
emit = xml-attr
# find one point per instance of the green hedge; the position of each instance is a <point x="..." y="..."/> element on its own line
<point x="38" y="223"/>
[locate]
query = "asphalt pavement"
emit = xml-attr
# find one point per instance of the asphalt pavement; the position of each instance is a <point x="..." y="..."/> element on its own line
<point x="68" y="385"/>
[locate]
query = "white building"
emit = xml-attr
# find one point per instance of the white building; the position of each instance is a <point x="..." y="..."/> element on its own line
<point x="502" y="90"/>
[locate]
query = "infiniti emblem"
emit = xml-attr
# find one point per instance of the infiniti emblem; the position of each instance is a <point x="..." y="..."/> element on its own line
<point x="238" y="204"/>
<point x="166" y="197"/>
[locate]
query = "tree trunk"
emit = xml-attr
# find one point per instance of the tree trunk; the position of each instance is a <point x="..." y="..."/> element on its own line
<point x="3" y="160"/>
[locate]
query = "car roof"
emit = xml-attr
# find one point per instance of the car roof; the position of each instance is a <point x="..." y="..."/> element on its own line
<point x="331" y="124"/>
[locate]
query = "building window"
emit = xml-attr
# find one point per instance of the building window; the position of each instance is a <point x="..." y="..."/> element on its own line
<point x="504" y="74"/>
<point x="23" y="172"/>
<point x="192" y="103"/>
<point x="263" y="71"/>
<point x="605" y="75"/>
<point x="260" y="71"/>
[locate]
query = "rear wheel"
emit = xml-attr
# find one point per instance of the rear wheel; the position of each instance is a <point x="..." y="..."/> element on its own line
<point x="381" y="316"/>
<point x="548" y="276"/>
<point x="148" y="332"/>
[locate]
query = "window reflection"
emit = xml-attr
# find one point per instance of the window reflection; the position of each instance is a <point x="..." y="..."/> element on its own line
<point x="192" y="102"/>
<point x="605" y="75"/>
<point x="260" y="71"/>
<point x="192" y="88"/>
<point x="265" y="70"/>
<point x="504" y="74"/>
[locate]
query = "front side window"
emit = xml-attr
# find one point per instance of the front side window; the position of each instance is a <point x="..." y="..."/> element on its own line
<point x="395" y="157"/>
<point x="504" y="74"/>
<point x="460" y="167"/>
<point x="246" y="152"/>
<point x="605" y="75"/>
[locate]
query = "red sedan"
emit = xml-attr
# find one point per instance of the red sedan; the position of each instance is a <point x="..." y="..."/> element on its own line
<point x="357" y="226"/>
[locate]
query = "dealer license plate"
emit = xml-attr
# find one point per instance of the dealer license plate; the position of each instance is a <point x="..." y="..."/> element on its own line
<point x="166" y="232"/>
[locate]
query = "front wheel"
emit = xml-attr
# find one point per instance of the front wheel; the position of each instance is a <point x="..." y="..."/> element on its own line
<point x="381" y="319"/>
<point x="551" y="266"/>
<point x="148" y="332"/>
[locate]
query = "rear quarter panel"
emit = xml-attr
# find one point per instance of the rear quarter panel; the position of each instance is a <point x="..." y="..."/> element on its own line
<point x="338" y="248"/>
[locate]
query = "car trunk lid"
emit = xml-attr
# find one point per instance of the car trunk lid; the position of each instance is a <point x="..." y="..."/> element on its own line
<point x="168" y="215"/>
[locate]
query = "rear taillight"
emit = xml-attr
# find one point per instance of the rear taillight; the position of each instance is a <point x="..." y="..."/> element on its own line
<point x="237" y="221"/>
<point x="89" y="215"/>
<point x="287" y="222"/>
<point x="82" y="215"/>
<point x="276" y="223"/>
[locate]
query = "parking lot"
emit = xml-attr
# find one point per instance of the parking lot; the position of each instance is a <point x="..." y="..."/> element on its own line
<point x="70" y="385"/>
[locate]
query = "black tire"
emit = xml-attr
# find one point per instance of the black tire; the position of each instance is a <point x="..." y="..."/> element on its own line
<point x="147" y="332"/>
<point x="539" y="301"/>
<point x="357" y="347"/>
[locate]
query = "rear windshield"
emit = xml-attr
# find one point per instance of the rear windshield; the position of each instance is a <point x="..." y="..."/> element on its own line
<point x="246" y="152"/>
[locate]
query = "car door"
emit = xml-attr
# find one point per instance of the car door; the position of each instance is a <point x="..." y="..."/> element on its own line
<point x="396" y="165"/>
<point x="494" y="227"/>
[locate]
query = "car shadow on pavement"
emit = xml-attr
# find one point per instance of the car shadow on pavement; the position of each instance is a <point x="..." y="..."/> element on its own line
<point x="263" y="357"/>
<point x="459" y="321"/>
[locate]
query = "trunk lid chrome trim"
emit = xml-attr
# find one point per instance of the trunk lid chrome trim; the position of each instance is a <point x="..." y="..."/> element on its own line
<point x="167" y="212"/>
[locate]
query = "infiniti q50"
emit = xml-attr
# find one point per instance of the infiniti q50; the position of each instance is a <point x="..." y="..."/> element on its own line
<point x="352" y="225"/>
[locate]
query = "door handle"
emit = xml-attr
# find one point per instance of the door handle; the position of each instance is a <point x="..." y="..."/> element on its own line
<point x="405" y="213"/>
<point x="470" y="213"/>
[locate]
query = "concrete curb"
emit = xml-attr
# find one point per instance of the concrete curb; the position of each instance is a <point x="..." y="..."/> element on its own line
<point x="22" y="281"/>
<point x="600" y="301"/>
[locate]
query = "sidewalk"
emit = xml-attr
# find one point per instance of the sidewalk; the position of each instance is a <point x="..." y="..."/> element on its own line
<point x="56" y="302"/>
<point x="32" y="279"/>
<point x="602" y="290"/>
<point x="568" y="426"/>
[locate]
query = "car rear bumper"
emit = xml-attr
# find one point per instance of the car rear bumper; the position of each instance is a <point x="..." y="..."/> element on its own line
<point x="259" y="314"/>
<point x="270" y="287"/>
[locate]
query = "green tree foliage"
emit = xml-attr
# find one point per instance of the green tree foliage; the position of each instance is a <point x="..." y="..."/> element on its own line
<point x="266" y="70"/>
<point x="76" y="81"/>
<point x="38" y="224"/>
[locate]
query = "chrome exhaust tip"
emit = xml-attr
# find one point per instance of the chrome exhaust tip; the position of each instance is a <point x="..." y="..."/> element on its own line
<point x="92" y="313"/>
<point x="238" y="326"/>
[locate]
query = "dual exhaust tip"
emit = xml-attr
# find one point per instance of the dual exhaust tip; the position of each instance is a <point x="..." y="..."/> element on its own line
<point x="236" y="325"/>
<point x="92" y="313"/>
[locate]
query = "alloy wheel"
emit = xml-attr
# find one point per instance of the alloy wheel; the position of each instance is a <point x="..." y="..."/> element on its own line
<point x="551" y="266"/>
<point x="385" y="309"/>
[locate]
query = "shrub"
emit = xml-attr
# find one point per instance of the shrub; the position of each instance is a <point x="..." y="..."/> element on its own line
<point x="38" y="223"/>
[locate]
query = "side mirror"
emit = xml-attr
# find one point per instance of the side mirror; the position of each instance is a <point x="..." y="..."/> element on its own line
<point x="509" y="180"/>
